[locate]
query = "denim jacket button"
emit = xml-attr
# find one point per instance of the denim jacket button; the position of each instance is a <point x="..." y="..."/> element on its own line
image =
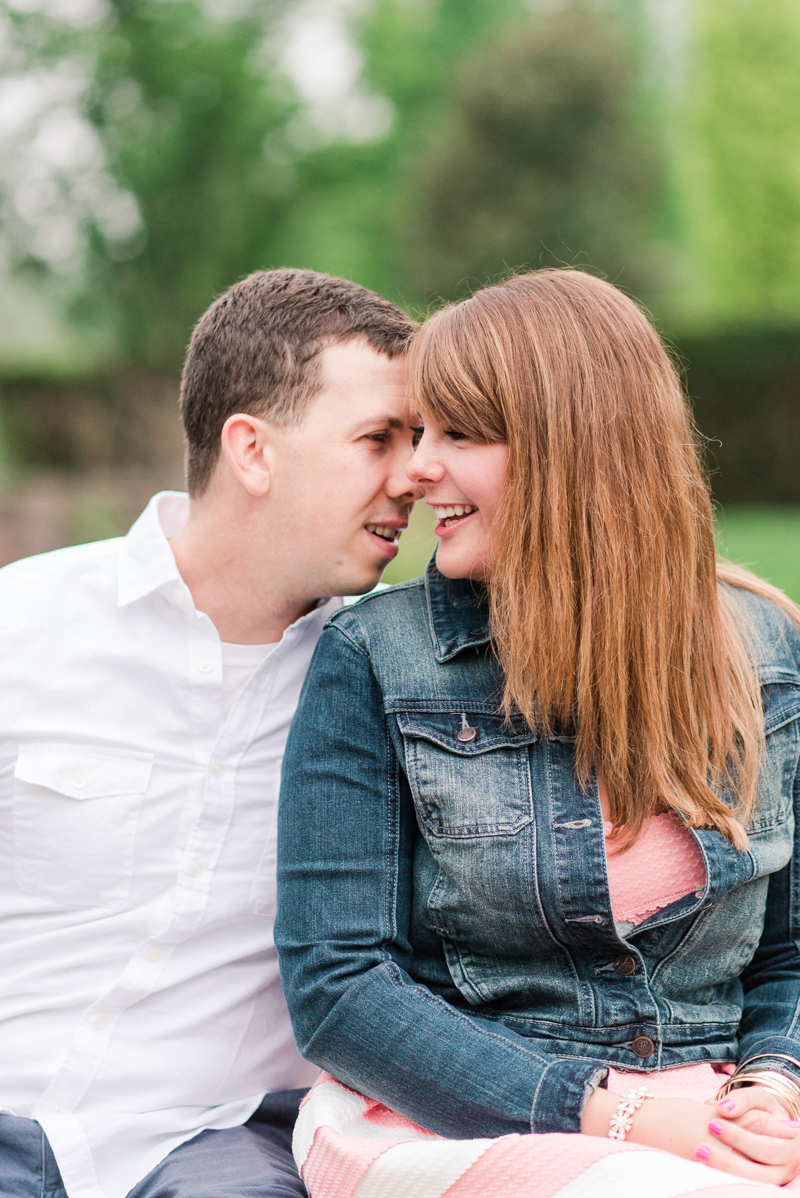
<point x="467" y="734"/>
<point x="643" y="1046"/>
<point x="624" y="966"/>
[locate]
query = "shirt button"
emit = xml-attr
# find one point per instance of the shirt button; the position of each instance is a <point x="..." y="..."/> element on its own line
<point x="178" y="597"/>
<point x="204" y="667"/>
<point x="79" y="781"/>
<point x="218" y="769"/>
<point x="50" y="1108"/>
<point x="195" y="869"/>
<point x="153" y="953"/>
<point x="643" y="1046"/>
<point x="100" y="1022"/>
<point x="624" y="966"/>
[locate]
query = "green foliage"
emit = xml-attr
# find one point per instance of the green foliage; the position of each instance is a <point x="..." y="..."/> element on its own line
<point x="185" y="113"/>
<point x="736" y="147"/>
<point x="539" y="157"/>
<point x="354" y="206"/>
<point x="572" y="133"/>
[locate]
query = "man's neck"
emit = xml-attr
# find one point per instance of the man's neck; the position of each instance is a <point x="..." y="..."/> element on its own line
<point x="249" y="597"/>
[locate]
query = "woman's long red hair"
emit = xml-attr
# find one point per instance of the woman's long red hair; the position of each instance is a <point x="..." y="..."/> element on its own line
<point x="606" y="612"/>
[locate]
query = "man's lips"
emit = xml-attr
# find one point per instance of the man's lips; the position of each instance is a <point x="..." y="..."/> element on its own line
<point x="386" y="534"/>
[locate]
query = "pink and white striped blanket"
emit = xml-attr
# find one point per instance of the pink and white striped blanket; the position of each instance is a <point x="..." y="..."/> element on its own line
<point x="349" y="1146"/>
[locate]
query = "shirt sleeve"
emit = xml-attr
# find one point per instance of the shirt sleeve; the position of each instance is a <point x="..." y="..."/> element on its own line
<point x="345" y="865"/>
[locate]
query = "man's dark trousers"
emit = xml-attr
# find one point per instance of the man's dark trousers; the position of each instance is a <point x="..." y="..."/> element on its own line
<point x="253" y="1161"/>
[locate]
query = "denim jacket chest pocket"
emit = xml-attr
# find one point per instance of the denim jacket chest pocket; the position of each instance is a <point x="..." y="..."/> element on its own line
<point x="468" y="772"/>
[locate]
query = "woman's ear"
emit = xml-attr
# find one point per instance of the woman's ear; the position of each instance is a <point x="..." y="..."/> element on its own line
<point x="247" y="445"/>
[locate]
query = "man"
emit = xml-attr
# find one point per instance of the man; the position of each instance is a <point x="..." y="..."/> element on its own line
<point x="146" y="689"/>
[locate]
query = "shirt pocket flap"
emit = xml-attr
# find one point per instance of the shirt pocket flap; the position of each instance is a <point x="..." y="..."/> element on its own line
<point x="467" y="733"/>
<point x="83" y="772"/>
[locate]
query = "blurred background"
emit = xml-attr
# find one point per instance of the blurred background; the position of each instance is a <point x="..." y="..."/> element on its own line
<point x="154" y="151"/>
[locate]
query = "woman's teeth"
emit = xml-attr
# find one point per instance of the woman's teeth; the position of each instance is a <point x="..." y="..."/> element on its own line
<point x="381" y="530"/>
<point x="454" y="512"/>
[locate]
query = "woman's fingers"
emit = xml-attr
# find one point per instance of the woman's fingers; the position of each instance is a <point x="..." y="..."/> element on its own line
<point x="764" y="1123"/>
<point x="751" y="1098"/>
<point x="765" y="1149"/>
<point x="719" y="1156"/>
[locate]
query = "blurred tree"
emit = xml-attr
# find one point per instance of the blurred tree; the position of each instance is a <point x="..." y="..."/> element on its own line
<point x="539" y="157"/>
<point x="737" y="154"/>
<point x="185" y="111"/>
<point x="352" y="206"/>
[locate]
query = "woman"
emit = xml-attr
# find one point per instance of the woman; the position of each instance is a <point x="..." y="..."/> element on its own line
<point x="537" y="827"/>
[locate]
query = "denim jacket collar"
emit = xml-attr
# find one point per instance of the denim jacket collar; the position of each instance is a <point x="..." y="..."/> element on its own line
<point x="459" y="613"/>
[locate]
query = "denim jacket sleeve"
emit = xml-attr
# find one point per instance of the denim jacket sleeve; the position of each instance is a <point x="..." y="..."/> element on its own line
<point x="771" y="1015"/>
<point x="345" y="872"/>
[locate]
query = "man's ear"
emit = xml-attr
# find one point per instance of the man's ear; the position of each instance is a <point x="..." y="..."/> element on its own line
<point x="247" y="444"/>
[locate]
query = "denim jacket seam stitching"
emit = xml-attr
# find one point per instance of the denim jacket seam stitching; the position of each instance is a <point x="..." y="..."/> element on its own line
<point x="345" y="632"/>
<point x="681" y="943"/>
<point x="564" y="948"/>
<point x="524" y="1054"/>
<point x="390" y="894"/>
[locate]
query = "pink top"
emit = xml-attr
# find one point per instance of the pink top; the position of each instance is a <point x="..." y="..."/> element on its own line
<point x="664" y="864"/>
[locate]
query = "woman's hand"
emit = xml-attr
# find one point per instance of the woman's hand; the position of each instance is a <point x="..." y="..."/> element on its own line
<point x="754" y="1138"/>
<point x="752" y="1135"/>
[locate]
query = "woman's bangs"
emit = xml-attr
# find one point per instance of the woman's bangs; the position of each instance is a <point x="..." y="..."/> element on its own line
<point x="444" y="383"/>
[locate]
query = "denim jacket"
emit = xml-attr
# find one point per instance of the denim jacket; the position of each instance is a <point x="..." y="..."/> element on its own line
<point x="445" y="930"/>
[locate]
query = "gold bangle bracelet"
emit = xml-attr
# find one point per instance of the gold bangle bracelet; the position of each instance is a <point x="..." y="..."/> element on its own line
<point x="742" y="1070"/>
<point x="777" y="1083"/>
<point x="767" y="1056"/>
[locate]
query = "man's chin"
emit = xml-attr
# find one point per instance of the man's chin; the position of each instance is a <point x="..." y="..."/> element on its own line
<point x="359" y="581"/>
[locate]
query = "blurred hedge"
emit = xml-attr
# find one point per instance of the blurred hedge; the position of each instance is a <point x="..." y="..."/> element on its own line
<point x="744" y="386"/>
<point x="745" y="390"/>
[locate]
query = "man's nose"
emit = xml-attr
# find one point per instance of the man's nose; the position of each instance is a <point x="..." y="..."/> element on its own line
<point x="400" y="482"/>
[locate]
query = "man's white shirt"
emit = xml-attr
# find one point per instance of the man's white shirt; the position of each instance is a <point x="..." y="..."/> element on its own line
<point x="140" y="997"/>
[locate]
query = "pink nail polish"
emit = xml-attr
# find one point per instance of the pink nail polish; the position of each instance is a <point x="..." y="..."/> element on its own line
<point x="702" y="1152"/>
<point x="790" y="1122"/>
<point x="716" y="1127"/>
<point x="725" y="1105"/>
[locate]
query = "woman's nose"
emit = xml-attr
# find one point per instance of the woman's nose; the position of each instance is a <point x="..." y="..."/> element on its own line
<point x="423" y="466"/>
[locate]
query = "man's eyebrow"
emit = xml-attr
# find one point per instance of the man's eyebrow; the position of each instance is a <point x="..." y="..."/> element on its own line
<point x="387" y="421"/>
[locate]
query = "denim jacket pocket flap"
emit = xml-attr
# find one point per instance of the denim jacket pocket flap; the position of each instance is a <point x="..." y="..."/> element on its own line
<point x="781" y="701"/>
<point x="468" y="772"/>
<point x="466" y="733"/>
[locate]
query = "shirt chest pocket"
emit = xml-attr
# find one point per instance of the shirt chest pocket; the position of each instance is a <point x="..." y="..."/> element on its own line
<point x="75" y="813"/>
<point x="469" y="773"/>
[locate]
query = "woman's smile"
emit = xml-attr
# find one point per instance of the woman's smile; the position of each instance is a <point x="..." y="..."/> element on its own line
<point x="452" y="516"/>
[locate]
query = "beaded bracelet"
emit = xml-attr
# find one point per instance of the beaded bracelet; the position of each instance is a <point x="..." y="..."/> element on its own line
<point x="622" y="1119"/>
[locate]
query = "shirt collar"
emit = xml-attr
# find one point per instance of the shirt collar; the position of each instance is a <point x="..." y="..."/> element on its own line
<point x="459" y="612"/>
<point x="146" y="561"/>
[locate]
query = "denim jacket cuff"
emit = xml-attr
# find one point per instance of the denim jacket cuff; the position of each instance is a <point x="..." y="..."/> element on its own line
<point x="562" y="1092"/>
<point x="781" y="1046"/>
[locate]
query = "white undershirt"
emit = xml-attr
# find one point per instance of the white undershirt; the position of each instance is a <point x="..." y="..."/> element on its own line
<point x="238" y="664"/>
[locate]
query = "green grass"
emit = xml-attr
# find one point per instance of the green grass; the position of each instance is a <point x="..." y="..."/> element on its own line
<point x="416" y="546"/>
<point x="766" y="539"/>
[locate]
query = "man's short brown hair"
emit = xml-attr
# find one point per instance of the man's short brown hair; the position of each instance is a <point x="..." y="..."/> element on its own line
<point x="257" y="349"/>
